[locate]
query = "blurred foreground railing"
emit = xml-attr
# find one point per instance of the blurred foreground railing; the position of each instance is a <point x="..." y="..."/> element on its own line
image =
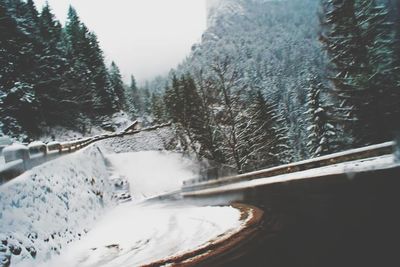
<point x="349" y="155"/>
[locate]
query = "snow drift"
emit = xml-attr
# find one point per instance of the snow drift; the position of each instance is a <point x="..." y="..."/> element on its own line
<point x="51" y="205"/>
<point x="134" y="235"/>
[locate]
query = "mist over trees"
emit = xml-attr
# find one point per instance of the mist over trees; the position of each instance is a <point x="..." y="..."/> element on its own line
<point x="278" y="81"/>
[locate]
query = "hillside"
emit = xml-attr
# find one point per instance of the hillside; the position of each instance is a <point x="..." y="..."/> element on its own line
<point x="289" y="78"/>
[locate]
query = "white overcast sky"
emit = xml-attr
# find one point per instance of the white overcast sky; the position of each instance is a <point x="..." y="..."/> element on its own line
<point x="145" y="38"/>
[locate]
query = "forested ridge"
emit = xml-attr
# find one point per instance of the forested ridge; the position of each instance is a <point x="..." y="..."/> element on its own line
<point x="53" y="75"/>
<point x="277" y="81"/>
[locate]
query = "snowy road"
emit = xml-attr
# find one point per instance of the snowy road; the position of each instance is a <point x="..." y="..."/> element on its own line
<point x="64" y="213"/>
<point x="152" y="173"/>
<point x="139" y="232"/>
<point x="135" y="235"/>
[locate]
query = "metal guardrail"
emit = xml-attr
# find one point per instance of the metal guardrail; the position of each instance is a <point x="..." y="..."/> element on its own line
<point x="15" y="168"/>
<point x="349" y="155"/>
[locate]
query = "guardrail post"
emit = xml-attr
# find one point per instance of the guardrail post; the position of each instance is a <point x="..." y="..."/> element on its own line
<point x="25" y="159"/>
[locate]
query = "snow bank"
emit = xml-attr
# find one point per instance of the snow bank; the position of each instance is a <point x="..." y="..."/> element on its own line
<point x="158" y="139"/>
<point x="118" y="121"/>
<point x="136" y="233"/>
<point x="133" y="235"/>
<point x="152" y="173"/>
<point x="51" y="205"/>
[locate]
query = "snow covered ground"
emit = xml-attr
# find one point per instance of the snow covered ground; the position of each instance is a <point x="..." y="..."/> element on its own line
<point x="63" y="213"/>
<point x="159" y="139"/>
<point x="138" y="232"/>
<point x="119" y="121"/>
<point x="152" y="173"/>
<point x="133" y="235"/>
<point x="51" y="205"/>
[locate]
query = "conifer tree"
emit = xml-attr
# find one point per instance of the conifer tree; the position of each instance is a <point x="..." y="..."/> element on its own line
<point x="133" y="98"/>
<point x="283" y="148"/>
<point x="105" y="99"/>
<point x="382" y="111"/>
<point x="261" y="136"/>
<point x="321" y="132"/>
<point x="49" y="75"/>
<point x="79" y="83"/>
<point x="50" y="28"/>
<point x="358" y="43"/>
<point x="52" y="65"/>
<point x="74" y="32"/>
<point x="396" y="26"/>
<point x="158" y="108"/>
<point x="87" y="69"/>
<point x="342" y="41"/>
<point x="395" y="10"/>
<point x="117" y="85"/>
<point x="172" y="97"/>
<point x="182" y="102"/>
<point x="31" y="19"/>
<point x="145" y="97"/>
<point x="18" y="103"/>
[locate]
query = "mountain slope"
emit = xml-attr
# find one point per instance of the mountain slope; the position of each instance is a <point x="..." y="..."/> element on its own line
<point x="272" y="45"/>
